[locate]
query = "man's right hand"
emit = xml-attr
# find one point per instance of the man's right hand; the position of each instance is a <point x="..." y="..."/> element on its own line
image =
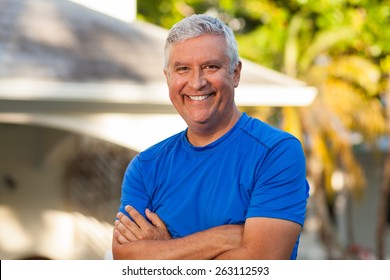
<point x="127" y="230"/>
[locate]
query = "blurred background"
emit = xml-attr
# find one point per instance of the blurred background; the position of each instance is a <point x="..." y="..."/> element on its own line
<point x="82" y="91"/>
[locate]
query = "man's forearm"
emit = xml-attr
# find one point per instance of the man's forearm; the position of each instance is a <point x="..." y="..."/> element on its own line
<point x="206" y="244"/>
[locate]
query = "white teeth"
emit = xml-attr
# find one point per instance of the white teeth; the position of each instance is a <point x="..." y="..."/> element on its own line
<point x="199" y="98"/>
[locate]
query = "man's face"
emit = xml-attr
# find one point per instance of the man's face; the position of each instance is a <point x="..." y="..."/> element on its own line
<point x="201" y="85"/>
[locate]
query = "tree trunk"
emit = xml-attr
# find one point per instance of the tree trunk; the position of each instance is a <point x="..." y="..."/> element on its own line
<point x="327" y="234"/>
<point x="382" y="210"/>
<point x="385" y="189"/>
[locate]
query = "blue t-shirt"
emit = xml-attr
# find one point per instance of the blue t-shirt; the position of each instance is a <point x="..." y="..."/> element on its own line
<point x="254" y="170"/>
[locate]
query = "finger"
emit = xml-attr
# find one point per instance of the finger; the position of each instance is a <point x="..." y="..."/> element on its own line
<point x="137" y="217"/>
<point x="155" y="219"/>
<point x="120" y="238"/>
<point x="127" y="225"/>
<point x="124" y="231"/>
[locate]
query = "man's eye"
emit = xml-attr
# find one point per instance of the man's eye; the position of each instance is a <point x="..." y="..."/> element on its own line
<point x="181" y="69"/>
<point x="211" y="67"/>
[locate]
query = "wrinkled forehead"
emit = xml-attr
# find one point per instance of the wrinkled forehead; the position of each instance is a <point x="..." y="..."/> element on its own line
<point x="211" y="40"/>
<point x="202" y="46"/>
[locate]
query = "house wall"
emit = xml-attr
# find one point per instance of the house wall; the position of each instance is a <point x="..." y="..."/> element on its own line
<point x="37" y="217"/>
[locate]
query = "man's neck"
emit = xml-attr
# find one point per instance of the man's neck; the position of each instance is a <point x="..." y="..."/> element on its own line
<point x="202" y="137"/>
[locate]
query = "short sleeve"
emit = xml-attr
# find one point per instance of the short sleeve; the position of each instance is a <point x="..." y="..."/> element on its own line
<point x="281" y="189"/>
<point x="133" y="188"/>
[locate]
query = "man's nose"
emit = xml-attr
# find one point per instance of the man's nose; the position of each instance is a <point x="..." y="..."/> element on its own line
<point x="197" y="80"/>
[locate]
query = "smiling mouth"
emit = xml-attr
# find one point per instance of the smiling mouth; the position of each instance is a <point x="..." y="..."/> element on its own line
<point x="199" y="97"/>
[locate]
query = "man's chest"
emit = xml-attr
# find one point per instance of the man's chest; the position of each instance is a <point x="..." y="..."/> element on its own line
<point x="203" y="194"/>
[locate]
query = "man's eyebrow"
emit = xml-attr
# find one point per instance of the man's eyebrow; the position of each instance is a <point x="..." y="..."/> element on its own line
<point x="178" y="63"/>
<point x="207" y="62"/>
<point x="214" y="61"/>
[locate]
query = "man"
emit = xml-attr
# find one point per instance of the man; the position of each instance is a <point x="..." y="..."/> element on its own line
<point x="229" y="186"/>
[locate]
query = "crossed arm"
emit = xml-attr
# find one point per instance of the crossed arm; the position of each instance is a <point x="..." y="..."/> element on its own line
<point x="259" y="238"/>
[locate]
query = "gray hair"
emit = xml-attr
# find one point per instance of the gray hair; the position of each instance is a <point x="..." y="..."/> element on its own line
<point x="197" y="25"/>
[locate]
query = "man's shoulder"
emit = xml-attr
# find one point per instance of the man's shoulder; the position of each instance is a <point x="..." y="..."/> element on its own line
<point x="265" y="134"/>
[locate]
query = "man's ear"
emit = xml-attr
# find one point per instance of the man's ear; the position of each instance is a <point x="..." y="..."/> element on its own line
<point x="166" y="74"/>
<point x="237" y="74"/>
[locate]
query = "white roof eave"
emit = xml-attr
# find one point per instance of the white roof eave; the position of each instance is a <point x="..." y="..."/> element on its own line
<point x="133" y="131"/>
<point x="141" y="94"/>
<point x="132" y="115"/>
<point x="276" y="96"/>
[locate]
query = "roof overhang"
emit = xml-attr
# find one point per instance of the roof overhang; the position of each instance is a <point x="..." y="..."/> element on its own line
<point x="28" y="96"/>
<point x="132" y="115"/>
<point x="134" y="131"/>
